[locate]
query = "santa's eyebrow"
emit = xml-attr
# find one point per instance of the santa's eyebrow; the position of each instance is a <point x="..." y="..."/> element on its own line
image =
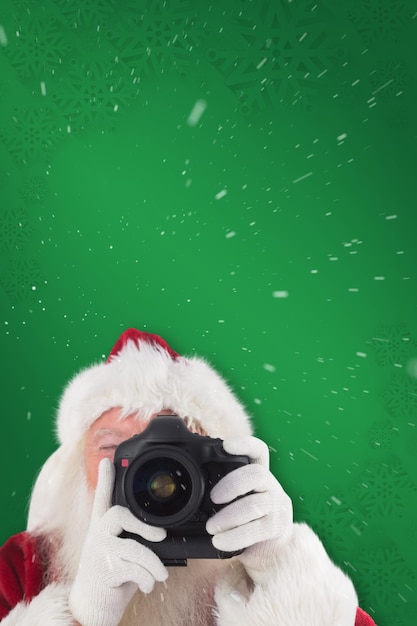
<point x="103" y="432"/>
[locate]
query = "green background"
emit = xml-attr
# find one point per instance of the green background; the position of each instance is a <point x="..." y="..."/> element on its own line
<point x="239" y="177"/>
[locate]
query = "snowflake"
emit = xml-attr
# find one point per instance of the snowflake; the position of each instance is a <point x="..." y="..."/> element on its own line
<point x="89" y="13"/>
<point x="38" y="50"/>
<point x="400" y="397"/>
<point x="388" y="78"/>
<point x="391" y="344"/>
<point x="335" y="521"/>
<point x="16" y="229"/>
<point x="21" y="279"/>
<point x="34" y="188"/>
<point x="379" y="20"/>
<point x="274" y="54"/>
<point x="382" y="435"/>
<point x="383" y="567"/>
<point x="33" y="133"/>
<point x="385" y="490"/>
<point x="92" y="92"/>
<point x="156" y="39"/>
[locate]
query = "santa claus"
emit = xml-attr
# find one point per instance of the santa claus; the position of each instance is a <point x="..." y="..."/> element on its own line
<point x="71" y="566"/>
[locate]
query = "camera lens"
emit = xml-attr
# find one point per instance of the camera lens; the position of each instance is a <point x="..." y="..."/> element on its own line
<point x="164" y="487"/>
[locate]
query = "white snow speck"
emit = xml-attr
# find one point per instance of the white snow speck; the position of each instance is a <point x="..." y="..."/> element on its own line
<point x="269" y="368"/>
<point x="309" y="454"/>
<point x="297" y="180"/>
<point x="261" y="63"/>
<point x="379" y="277"/>
<point x="342" y="137"/>
<point x="29" y="416"/>
<point x="361" y="354"/>
<point x="221" y="194"/>
<point x="43" y="88"/>
<point x="391" y="217"/>
<point x="280" y="294"/>
<point x="230" y="234"/>
<point x="3" y="36"/>
<point x="196" y="112"/>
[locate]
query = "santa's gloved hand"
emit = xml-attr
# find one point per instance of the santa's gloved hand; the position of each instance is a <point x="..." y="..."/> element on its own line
<point x="112" y="568"/>
<point x="261" y="520"/>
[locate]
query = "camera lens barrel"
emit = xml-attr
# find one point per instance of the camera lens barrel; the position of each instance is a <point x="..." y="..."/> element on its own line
<point x="164" y="486"/>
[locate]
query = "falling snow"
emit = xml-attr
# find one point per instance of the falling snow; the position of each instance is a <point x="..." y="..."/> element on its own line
<point x="3" y="36"/>
<point x="221" y="194"/>
<point x="261" y="63"/>
<point x="297" y="180"/>
<point x="280" y="294"/>
<point x="196" y="112"/>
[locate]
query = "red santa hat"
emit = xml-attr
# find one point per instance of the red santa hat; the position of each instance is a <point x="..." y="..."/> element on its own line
<point x="143" y="375"/>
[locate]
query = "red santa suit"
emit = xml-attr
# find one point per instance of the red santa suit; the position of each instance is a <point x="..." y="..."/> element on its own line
<point x="300" y="585"/>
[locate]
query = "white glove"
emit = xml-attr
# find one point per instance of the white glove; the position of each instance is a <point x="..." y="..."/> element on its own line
<point x="112" y="568"/>
<point x="259" y="521"/>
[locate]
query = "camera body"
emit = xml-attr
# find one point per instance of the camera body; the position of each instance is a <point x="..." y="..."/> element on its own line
<point x="164" y="477"/>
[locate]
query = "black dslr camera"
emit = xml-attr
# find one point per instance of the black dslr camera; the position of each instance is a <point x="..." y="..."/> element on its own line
<point x="164" y="476"/>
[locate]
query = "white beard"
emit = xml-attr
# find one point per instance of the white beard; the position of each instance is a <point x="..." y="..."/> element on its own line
<point x="185" y="599"/>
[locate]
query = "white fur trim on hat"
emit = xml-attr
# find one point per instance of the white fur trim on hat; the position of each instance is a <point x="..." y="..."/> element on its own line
<point x="143" y="375"/>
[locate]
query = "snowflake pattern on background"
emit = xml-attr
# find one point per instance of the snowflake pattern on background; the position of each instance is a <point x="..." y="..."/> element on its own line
<point x="157" y="39"/>
<point x="400" y="396"/>
<point x="384" y="490"/>
<point x="391" y="344"/>
<point x="285" y="67"/>
<point x="33" y="188"/>
<point x="388" y="79"/>
<point x="93" y="93"/>
<point x="379" y="21"/>
<point x="37" y="50"/>
<point x="383" y="569"/>
<point x="21" y="279"/>
<point x="335" y="519"/>
<point x="16" y="229"/>
<point x="382" y="435"/>
<point x="96" y="14"/>
<point x="34" y="132"/>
